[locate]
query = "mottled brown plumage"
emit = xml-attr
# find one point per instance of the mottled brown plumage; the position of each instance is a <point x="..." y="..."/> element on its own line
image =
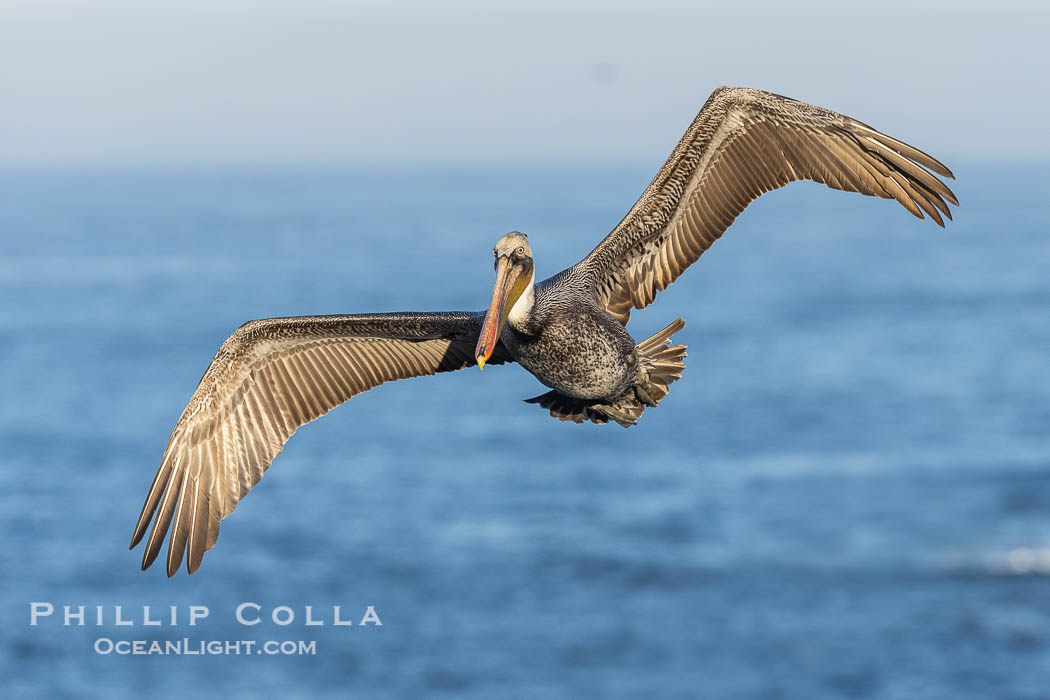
<point x="272" y="376"/>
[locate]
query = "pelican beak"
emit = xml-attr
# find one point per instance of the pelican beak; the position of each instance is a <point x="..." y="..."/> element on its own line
<point x="509" y="286"/>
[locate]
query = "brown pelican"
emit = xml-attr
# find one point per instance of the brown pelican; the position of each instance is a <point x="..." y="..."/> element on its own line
<point x="272" y="376"/>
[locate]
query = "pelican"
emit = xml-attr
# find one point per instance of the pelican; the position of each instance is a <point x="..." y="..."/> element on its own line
<point x="569" y="331"/>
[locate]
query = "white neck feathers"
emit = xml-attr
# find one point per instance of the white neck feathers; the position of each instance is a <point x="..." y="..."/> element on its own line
<point x="519" y="313"/>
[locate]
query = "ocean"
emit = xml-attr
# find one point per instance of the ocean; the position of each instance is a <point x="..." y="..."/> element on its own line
<point x="847" y="494"/>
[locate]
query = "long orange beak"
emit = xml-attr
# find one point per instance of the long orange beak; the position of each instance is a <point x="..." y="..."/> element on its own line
<point x="507" y="274"/>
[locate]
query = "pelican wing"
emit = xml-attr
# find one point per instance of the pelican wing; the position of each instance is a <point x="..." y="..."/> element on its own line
<point x="269" y="378"/>
<point x="742" y="144"/>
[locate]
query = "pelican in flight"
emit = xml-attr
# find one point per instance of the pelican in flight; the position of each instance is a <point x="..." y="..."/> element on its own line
<point x="569" y="331"/>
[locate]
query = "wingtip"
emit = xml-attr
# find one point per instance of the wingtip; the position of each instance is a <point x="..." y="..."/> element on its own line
<point x="148" y="557"/>
<point x="137" y="536"/>
<point x="941" y="169"/>
<point x="174" y="562"/>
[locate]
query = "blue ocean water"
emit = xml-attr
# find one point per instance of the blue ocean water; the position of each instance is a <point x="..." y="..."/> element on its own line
<point x="847" y="495"/>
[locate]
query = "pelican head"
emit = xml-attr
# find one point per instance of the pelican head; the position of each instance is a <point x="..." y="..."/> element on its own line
<point x="513" y="285"/>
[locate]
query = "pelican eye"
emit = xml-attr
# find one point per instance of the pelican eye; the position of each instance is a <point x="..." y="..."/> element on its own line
<point x="521" y="250"/>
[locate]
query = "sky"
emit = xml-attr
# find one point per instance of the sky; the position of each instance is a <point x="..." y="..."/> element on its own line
<point x="233" y="81"/>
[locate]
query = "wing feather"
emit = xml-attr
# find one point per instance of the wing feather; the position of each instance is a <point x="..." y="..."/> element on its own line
<point x="742" y="144"/>
<point x="269" y="378"/>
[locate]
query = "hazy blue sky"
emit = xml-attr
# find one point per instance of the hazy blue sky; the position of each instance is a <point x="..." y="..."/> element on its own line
<point x="394" y="82"/>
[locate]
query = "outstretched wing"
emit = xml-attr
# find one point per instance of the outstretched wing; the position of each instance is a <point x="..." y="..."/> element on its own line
<point x="269" y="378"/>
<point x="742" y="144"/>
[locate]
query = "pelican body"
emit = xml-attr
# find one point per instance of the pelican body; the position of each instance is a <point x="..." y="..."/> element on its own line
<point x="569" y="331"/>
<point x="566" y="340"/>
